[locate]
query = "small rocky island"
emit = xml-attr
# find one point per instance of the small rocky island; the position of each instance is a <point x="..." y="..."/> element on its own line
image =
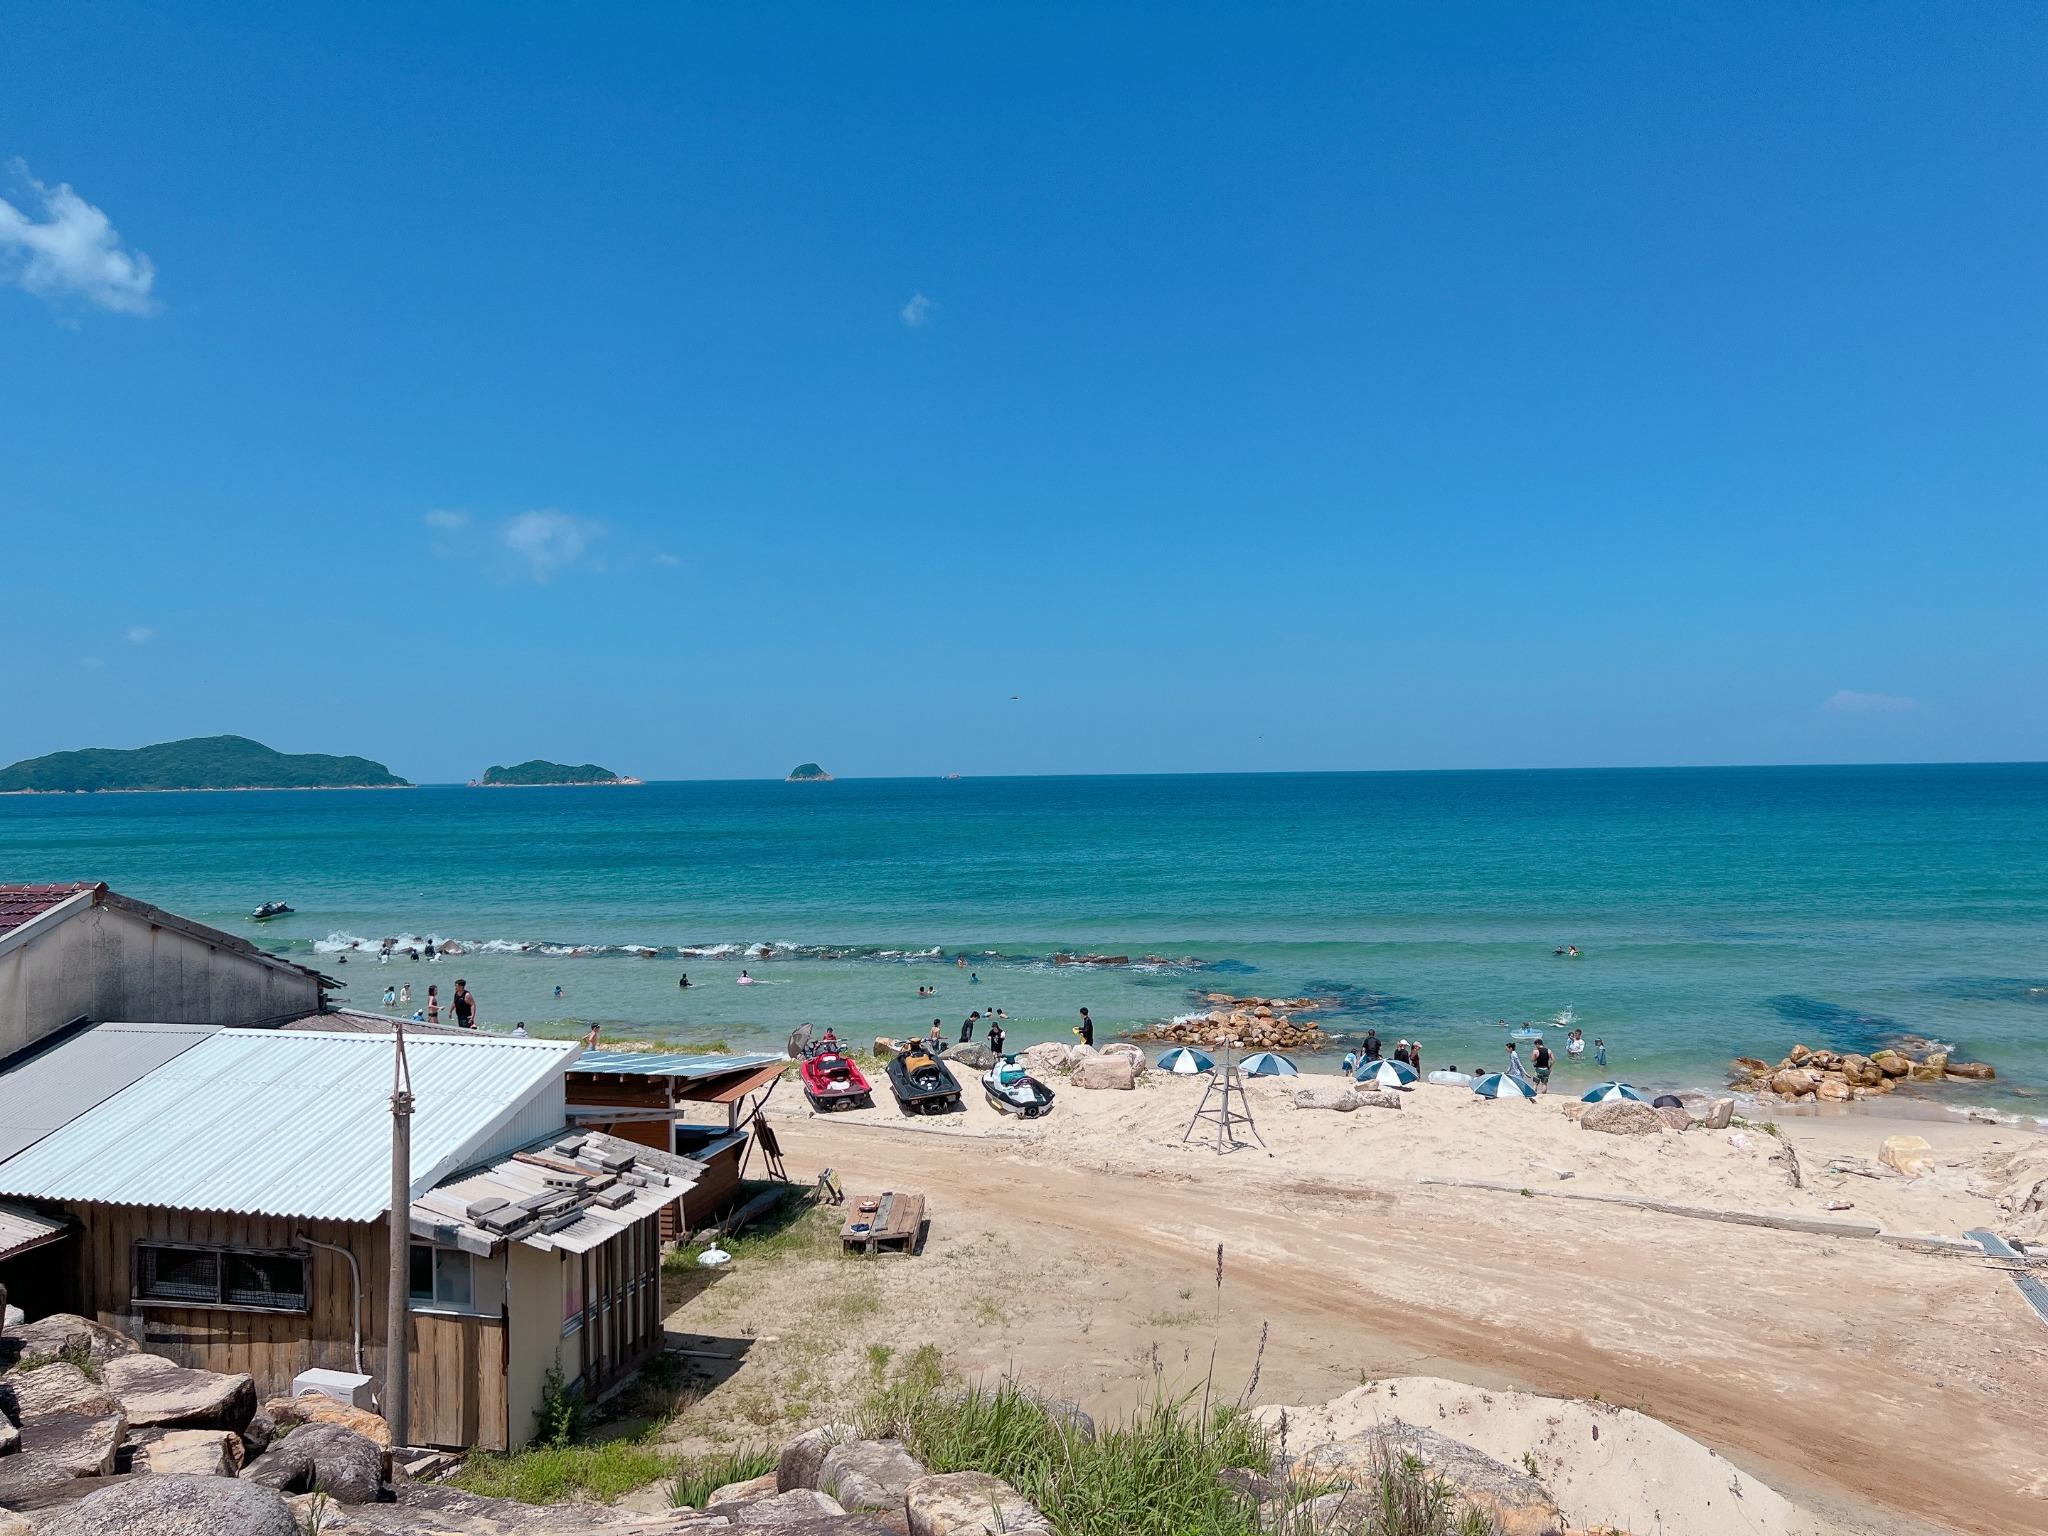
<point x="197" y="762"/>
<point x="539" y="773"/>
<point x="808" y="773"/>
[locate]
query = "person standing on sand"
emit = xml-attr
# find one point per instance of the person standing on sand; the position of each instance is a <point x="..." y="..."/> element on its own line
<point x="935" y="1042"/>
<point x="967" y="1029"/>
<point x="1086" y="1029"/>
<point x="995" y="1037"/>
<point x="1542" y="1060"/>
<point x="463" y="1005"/>
<point x="1415" y="1056"/>
<point x="1370" y="1050"/>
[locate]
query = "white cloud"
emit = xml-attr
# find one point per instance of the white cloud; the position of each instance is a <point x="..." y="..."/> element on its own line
<point x="548" y="539"/>
<point x="918" y="312"/>
<point x="665" y="558"/>
<point x="447" y="519"/>
<point x="74" y="250"/>
<point x="1847" y="701"/>
<point x="140" y="634"/>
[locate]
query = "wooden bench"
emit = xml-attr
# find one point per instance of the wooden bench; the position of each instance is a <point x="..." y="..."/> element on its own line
<point x="892" y="1228"/>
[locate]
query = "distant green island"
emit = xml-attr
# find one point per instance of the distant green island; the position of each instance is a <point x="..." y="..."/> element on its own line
<point x="809" y="773"/>
<point x="198" y="762"/>
<point x="541" y="773"/>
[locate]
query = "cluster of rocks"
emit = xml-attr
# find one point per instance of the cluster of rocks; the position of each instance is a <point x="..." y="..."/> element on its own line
<point x="1632" y="1117"/>
<point x="1117" y="1065"/>
<point x="99" y="1436"/>
<point x="1261" y="1023"/>
<point x="1806" y="1076"/>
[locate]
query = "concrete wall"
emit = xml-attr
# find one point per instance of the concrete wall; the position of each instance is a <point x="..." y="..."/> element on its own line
<point x="106" y="964"/>
<point x="535" y="1342"/>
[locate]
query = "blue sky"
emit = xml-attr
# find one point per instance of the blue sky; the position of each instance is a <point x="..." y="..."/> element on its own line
<point x="699" y="390"/>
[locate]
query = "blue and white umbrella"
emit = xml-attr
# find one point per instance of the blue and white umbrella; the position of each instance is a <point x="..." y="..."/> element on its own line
<point x="1498" y="1085"/>
<point x="1185" y="1062"/>
<point x="1387" y="1074"/>
<point x="1600" y="1093"/>
<point x="1268" y="1064"/>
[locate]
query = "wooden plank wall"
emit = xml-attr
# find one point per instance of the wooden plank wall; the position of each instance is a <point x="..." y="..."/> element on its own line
<point x="621" y="1305"/>
<point x="459" y="1393"/>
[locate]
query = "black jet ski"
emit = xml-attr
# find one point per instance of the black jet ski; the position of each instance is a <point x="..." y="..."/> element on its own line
<point x="923" y="1084"/>
<point x="267" y="911"/>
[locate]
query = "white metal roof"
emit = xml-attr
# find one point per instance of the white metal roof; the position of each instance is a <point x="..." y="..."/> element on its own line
<point x="273" y="1123"/>
<point x="61" y="1082"/>
<point x="22" y="1229"/>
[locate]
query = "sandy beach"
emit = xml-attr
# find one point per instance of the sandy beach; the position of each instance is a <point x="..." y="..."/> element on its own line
<point x="1877" y="1388"/>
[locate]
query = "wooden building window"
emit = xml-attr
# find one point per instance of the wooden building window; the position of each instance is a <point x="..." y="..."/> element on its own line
<point x="239" y="1279"/>
<point x="443" y="1277"/>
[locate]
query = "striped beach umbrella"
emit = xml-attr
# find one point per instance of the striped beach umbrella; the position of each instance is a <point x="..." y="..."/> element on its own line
<point x="1387" y="1074"/>
<point x="1600" y="1093"/>
<point x="1498" y="1085"/>
<point x="1268" y="1064"/>
<point x="1185" y="1062"/>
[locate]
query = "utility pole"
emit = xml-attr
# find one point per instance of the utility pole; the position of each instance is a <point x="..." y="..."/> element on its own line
<point x="397" y="1367"/>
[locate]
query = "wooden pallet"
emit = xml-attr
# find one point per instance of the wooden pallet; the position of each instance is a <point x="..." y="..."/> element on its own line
<point x="894" y="1228"/>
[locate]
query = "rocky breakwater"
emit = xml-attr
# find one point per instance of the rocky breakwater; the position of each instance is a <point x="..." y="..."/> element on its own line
<point x="1808" y="1076"/>
<point x="1257" y="1023"/>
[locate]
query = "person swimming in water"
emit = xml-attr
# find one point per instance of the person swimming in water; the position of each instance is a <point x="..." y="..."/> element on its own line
<point x="746" y="980"/>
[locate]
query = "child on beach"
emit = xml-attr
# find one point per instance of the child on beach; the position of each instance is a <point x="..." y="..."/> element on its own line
<point x="1515" y="1068"/>
<point x="995" y="1037"/>
<point x="1086" y="1029"/>
<point x="1600" y="1052"/>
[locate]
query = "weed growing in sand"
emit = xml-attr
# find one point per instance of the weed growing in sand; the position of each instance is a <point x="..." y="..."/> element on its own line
<point x="551" y="1474"/>
<point x="879" y="1356"/>
<point x="700" y="1477"/>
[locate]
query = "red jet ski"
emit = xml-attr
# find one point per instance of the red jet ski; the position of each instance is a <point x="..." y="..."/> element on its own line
<point x="831" y="1081"/>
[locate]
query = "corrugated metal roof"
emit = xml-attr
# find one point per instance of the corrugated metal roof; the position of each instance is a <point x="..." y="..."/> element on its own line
<point x="285" y="1124"/>
<point x="21" y="1230"/>
<point x="655" y="1064"/>
<point x="57" y="1085"/>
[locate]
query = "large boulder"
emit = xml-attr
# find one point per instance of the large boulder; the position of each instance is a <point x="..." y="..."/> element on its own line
<point x="187" y="1452"/>
<point x="319" y="1457"/>
<point x="1047" y="1056"/>
<point x="1676" y="1117"/>
<point x="798" y="1506"/>
<point x="968" y="1504"/>
<point x="972" y="1058"/>
<point x="1793" y="1081"/>
<point x="63" y="1332"/>
<point x="1718" y="1115"/>
<point x="1515" y="1501"/>
<point x="156" y="1391"/>
<point x="762" y="1487"/>
<point x="1104" y="1072"/>
<point x="1892" y="1063"/>
<point x="1341" y="1099"/>
<point x="70" y="1427"/>
<point x="1128" y="1052"/>
<point x="805" y="1455"/>
<point x="1376" y="1098"/>
<point x="319" y="1408"/>
<point x="1971" y="1071"/>
<point x="868" y="1474"/>
<point x="1622" y="1117"/>
<point x="176" y="1506"/>
<point x="1832" y="1090"/>
<point x="1910" y="1155"/>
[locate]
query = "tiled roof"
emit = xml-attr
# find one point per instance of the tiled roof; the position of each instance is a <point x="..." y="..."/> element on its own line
<point x="20" y="903"/>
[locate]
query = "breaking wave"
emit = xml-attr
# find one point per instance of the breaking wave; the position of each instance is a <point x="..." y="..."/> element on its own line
<point x="405" y="944"/>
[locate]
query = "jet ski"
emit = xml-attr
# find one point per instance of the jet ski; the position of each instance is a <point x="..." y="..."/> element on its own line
<point x="267" y="911"/>
<point x="831" y="1081"/>
<point x="1014" y="1091"/>
<point x="923" y="1084"/>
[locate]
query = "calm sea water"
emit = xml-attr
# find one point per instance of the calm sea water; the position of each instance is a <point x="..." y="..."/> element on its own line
<point x="1718" y="911"/>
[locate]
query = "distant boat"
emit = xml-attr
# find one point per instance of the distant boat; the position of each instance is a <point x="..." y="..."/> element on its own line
<point x="267" y="911"/>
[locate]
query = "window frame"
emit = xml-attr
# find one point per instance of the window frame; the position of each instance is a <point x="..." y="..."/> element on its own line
<point x="221" y="1254"/>
<point x="433" y="1302"/>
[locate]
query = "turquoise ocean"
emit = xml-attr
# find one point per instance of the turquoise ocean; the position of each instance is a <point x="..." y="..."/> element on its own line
<point x="1718" y="911"/>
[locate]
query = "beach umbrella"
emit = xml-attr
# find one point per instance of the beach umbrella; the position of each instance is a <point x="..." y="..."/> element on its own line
<point x="1185" y="1062"/>
<point x="1387" y="1074"/>
<point x="1268" y="1064"/>
<point x="1600" y="1093"/>
<point x="1498" y="1085"/>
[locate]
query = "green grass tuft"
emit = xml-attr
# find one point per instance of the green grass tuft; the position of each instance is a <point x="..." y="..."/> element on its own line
<point x="554" y="1474"/>
<point x="698" y="1479"/>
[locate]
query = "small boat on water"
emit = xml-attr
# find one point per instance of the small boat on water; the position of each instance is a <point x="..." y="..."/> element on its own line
<point x="1014" y="1091"/>
<point x="923" y="1084"/>
<point x="267" y="911"/>
<point x="831" y="1081"/>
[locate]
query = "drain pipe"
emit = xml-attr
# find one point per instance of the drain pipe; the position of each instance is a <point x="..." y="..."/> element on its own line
<point x="355" y="1294"/>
